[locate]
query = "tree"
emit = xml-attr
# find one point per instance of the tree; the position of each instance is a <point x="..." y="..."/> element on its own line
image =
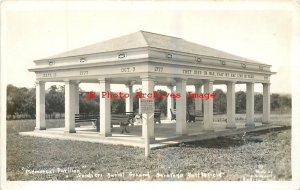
<point x="11" y="99"/>
<point x="88" y="105"/>
<point x="161" y="103"/>
<point x="281" y="103"/>
<point x="220" y="103"/>
<point x="285" y="101"/>
<point x="60" y="96"/>
<point x="55" y="100"/>
<point x="258" y="102"/>
<point x="275" y="101"/>
<point x="240" y="102"/>
<point x="20" y="102"/>
<point x="190" y="103"/>
<point x="29" y="105"/>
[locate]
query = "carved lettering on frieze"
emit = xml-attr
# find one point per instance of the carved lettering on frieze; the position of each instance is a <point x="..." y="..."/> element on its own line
<point x="49" y="75"/>
<point x="82" y="73"/>
<point x="158" y="69"/>
<point x="127" y="69"/>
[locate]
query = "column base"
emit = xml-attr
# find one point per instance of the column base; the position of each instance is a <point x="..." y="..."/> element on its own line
<point x="71" y="131"/>
<point x="266" y="123"/>
<point x="151" y="139"/>
<point x="250" y="125"/>
<point x="40" y="129"/>
<point x="208" y="130"/>
<point x="231" y="126"/>
<point x="182" y="133"/>
<point x="105" y="135"/>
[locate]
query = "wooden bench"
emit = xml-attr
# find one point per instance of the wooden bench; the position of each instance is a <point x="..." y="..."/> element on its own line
<point x="190" y="116"/>
<point x="121" y="119"/>
<point x="88" y="117"/>
<point x="157" y="114"/>
<point x="198" y="115"/>
<point x="194" y="115"/>
<point x="131" y="117"/>
<point x="173" y="115"/>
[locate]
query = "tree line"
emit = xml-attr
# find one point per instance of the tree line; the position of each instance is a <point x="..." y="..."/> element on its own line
<point x="21" y="103"/>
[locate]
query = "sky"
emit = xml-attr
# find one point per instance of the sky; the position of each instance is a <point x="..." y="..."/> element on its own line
<point x="40" y="29"/>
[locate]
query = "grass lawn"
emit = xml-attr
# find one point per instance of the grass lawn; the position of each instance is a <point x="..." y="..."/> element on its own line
<point x="255" y="156"/>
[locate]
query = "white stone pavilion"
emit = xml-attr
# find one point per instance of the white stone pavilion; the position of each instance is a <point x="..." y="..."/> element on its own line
<point x="149" y="59"/>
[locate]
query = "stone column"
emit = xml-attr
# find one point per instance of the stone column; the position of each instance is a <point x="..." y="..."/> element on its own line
<point x="250" y="105"/>
<point x="77" y="102"/>
<point x="140" y="107"/>
<point x="105" y="109"/>
<point x="40" y="106"/>
<point x="70" y="107"/>
<point x="139" y="90"/>
<point x="181" y="107"/>
<point x="129" y="100"/>
<point x="76" y="98"/>
<point x="208" y="107"/>
<point x="198" y="101"/>
<point x="266" y="103"/>
<point x="230" y="105"/>
<point x="170" y="102"/>
<point x="148" y="119"/>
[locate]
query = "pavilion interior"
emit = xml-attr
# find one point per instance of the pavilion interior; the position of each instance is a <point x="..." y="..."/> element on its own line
<point x="165" y="130"/>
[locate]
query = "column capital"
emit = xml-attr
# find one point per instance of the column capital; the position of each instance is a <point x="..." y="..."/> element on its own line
<point x="231" y="82"/>
<point x="266" y="83"/>
<point x="103" y="79"/>
<point x="38" y="82"/>
<point x="170" y="86"/>
<point x="131" y="83"/>
<point x="128" y="85"/>
<point x="183" y="79"/>
<point x="198" y="85"/>
<point x="67" y="81"/>
<point x="209" y="80"/>
<point x="147" y="78"/>
<point x="172" y="82"/>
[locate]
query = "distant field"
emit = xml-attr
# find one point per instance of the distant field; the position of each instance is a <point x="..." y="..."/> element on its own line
<point x="255" y="156"/>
